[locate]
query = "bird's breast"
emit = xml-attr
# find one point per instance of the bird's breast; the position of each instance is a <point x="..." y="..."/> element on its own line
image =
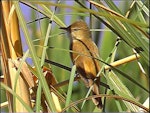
<point x="83" y="57"/>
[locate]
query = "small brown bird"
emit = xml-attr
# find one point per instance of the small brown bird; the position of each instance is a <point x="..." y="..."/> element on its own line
<point x="84" y="52"/>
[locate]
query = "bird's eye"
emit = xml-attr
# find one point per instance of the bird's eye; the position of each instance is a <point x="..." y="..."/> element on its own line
<point x="75" y="29"/>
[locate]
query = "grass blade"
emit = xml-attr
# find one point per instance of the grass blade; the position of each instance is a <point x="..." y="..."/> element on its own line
<point x="69" y="92"/>
<point x="34" y="57"/>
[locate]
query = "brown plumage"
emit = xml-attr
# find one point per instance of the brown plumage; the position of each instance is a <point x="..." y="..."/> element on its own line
<point x="83" y="49"/>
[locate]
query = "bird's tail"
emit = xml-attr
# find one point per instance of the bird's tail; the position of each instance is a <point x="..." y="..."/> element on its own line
<point x="96" y="91"/>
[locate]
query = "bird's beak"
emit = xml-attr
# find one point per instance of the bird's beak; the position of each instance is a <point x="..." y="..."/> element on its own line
<point x="64" y="28"/>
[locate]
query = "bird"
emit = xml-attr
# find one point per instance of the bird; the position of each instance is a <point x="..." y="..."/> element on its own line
<point x="85" y="56"/>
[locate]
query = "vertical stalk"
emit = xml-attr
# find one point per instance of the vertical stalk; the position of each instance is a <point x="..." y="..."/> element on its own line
<point x="11" y="50"/>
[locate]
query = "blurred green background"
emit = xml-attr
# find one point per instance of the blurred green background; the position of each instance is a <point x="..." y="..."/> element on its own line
<point x="105" y="40"/>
